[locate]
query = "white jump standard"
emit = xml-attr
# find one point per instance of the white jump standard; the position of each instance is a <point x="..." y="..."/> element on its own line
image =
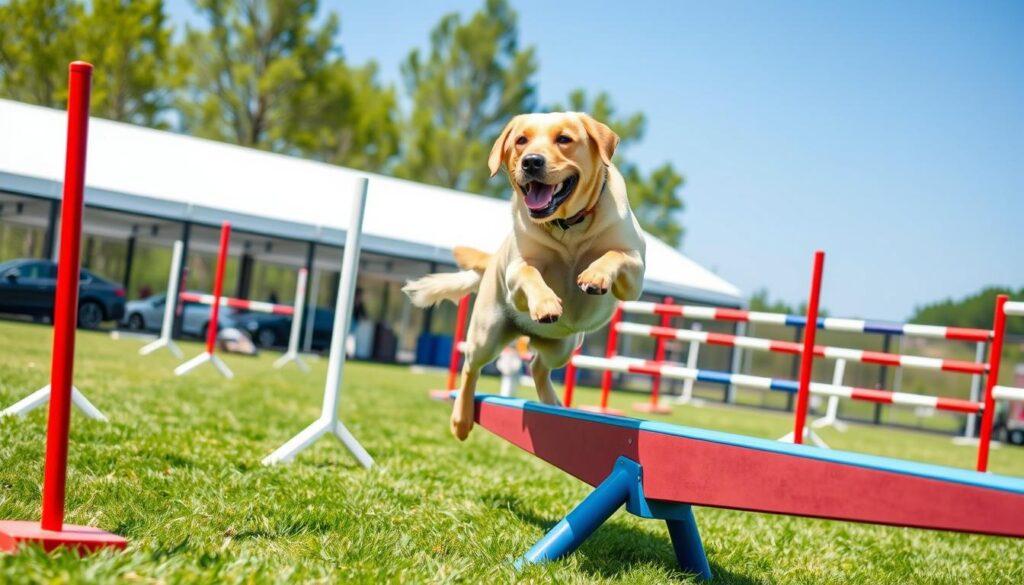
<point x="329" y="423"/>
<point x="170" y="306"/>
<point x="292" y="354"/>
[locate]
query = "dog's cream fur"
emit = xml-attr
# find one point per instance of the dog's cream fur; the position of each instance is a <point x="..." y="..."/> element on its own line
<point x="546" y="282"/>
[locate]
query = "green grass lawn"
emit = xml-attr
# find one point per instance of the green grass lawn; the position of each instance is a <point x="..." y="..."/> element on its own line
<point x="177" y="472"/>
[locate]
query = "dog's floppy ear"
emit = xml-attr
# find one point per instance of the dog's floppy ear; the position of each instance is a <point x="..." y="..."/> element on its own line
<point x="500" y="148"/>
<point x="603" y="136"/>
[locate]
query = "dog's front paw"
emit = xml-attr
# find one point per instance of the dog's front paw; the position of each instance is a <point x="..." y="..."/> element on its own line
<point x="594" y="282"/>
<point x="460" y="426"/>
<point x="546" y="310"/>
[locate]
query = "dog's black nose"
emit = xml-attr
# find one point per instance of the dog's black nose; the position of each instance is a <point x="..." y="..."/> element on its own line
<point x="533" y="163"/>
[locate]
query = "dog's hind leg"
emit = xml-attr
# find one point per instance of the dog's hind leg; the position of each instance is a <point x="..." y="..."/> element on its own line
<point x="548" y="355"/>
<point x="488" y="334"/>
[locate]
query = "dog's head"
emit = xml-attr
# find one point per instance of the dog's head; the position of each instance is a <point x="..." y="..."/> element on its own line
<point x="555" y="162"/>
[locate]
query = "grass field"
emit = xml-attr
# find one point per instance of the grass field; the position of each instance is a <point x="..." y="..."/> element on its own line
<point x="177" y="472"/>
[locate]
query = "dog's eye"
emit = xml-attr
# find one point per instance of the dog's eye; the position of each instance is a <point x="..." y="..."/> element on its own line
<point x="521" y="140"/>
<point x="563" y="139"/>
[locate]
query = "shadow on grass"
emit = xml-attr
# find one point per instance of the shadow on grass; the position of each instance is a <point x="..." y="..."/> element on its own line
<point x="614" y="547"/>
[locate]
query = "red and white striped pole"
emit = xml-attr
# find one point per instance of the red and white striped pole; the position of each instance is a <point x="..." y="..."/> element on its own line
<point x="50" y="532"/>
<point x="453" y="362"/>
<point x="994" y="361"/>
<point x="807" y="356"/>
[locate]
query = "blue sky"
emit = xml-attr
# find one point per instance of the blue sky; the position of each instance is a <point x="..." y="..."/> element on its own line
<point x="891" y="135"/>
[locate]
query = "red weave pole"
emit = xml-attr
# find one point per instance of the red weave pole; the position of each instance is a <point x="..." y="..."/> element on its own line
<point x="659" y="354"/>
<point x="610" y="351"/>
<point x="460" y="332"/>
<point x="218" y="287"/>
<point x="570" y="380"/>
<point x="65" y="312"/>
<point x="995" y="355"/>
<point x="807" y="356"/>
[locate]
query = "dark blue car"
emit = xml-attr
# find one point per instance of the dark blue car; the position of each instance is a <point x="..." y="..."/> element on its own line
<point x="27" y="287"/>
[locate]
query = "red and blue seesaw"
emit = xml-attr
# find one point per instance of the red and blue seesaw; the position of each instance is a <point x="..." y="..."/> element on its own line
<point x="659" y="470"/>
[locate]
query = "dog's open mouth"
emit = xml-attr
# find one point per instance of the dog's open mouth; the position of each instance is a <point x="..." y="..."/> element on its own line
<point x="542" y="199"/>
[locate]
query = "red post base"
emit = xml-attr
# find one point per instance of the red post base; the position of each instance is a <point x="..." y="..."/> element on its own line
<point x="443" y="395"/>
<point x="652" y="408"/>
<point x="598" y="409"/>
<point x="82" y="539"/>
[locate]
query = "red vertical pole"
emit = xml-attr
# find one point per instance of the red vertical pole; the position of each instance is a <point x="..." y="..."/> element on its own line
<point x="807" y="355"/>
<point x="218" y="287"/>
<point x="994" y="359"/>
<point x="460" y="332"/>
<point x="610" y="351"/>
<point x="65" y="312"/>
<point x="570" y="380"/>
<point x="659" y="355"/>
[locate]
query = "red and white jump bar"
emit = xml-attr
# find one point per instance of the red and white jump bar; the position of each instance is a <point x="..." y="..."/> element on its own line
<point x="826" y="323"/>
<point x="794" y="348"/>
<point x="240" y="304"/>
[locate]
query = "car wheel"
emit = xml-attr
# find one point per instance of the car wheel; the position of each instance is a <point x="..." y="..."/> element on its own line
<point x="266" y="338"/>
<point x="136" y="322"/>
<point x="90" y="315"/>
<point x="1016" y="436"/>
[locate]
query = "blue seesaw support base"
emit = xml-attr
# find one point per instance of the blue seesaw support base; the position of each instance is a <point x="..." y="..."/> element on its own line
<point x="624" y="485"/>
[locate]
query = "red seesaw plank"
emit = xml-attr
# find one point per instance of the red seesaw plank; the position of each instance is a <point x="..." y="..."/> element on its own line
<point x="707" y="468"/>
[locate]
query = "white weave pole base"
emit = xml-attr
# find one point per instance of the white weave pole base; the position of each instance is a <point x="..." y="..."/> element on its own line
<point x="287" y="452"/>
<point x="170" y="304"/>
<point x="160" y="344"/>
<point x="291" y="356"/>
<point x="42" y="396"/>
<point x="808" y="434"/>
<point x="202" y="359"/>
<point x="328" y="421"/>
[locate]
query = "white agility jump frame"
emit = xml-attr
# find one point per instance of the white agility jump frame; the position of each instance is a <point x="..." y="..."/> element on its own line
<point x="170" y="306"/>
<point x="329" y="423"/>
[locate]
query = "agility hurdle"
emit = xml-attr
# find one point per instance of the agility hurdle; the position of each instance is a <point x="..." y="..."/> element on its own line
<point x="208" y="355"/>
<point x="659" y="470"/>
<point x="329" y="421"/>
<point x="51" y="532"/>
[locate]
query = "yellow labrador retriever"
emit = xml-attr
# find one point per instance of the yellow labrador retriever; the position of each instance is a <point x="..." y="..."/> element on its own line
<point x="574" y="239"/>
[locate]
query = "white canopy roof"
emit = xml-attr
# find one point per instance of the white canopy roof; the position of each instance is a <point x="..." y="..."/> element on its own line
<point x="173" y="176"/>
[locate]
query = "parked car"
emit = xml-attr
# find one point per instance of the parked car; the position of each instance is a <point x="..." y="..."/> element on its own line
<point x="273" y="330"/>
<point x="27" y="287"/>
<point x="147" y="315"/>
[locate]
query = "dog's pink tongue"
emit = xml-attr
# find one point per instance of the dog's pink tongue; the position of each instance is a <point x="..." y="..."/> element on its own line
<point x="538" y="195"/>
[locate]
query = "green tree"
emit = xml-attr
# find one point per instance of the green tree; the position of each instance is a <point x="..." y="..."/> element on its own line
<point x="463" y="90"/>
<point x="127" y="42"/>
<point x="655" y="196"/>
<point x="265" y="74"/>
<point x="36" y="45"/>
<point x="975" y="310"/>
<point x="346" y="117"/>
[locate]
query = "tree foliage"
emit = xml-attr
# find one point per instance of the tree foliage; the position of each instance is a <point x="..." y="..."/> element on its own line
<point x="473" y="78"/>
<point x="654" y="196"/>
<point x="127" y="40"/>
<point x="975" y="310"/>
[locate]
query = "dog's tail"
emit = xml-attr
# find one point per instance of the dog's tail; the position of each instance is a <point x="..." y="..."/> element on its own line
<point x="450" y="286"/>
<point x="445" y="286"/>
